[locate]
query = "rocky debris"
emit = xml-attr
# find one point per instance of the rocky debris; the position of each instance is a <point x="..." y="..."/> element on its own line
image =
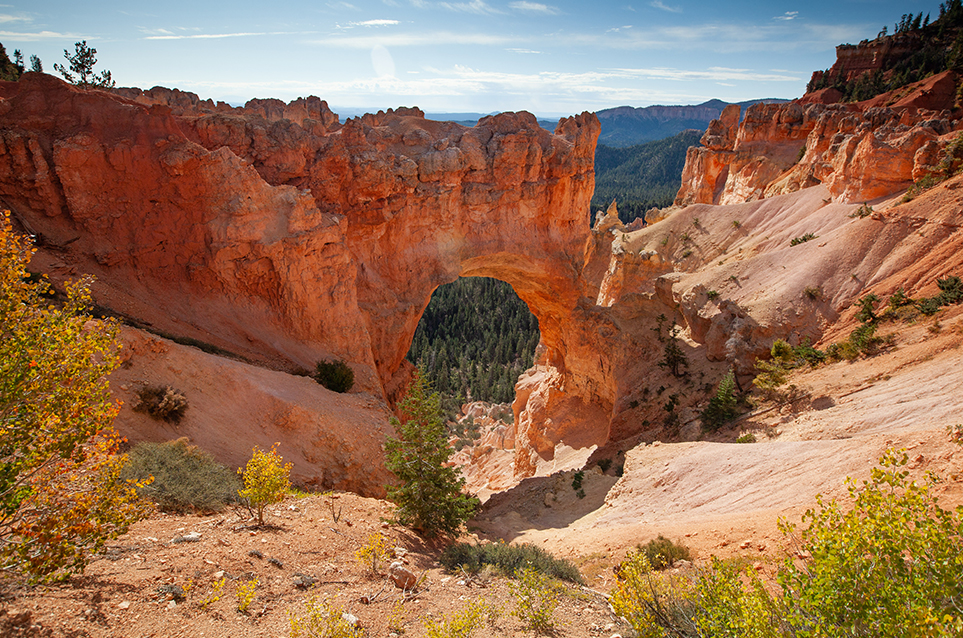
<point x="190" y="537"/>
<point x="401" y="576"/>
<point x="303" y="581"/>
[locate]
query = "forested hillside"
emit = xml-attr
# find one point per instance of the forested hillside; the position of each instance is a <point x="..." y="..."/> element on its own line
<point x="642" y="176"/>
<point x="916" y="49"/>
<point x="473" y="341"/>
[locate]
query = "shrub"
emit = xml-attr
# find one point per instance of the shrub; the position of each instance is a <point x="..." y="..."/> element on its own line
<point x="536" y="598"/>
<point x="61" y="494"/>
<point x="772" y="375"/>
<point x="265" y="480"/>
<point x="376" y="549"/>
<point x="867" y="308"/>
<point x="809" y="354"/>
<point x="951" y="290"/>
<point x="334" y="375"/>
<point x="163" y="403"/>
<point x="509" y="559"/>
<point x="746" y="437"/>
<point x="461" y="623"/>
<point x="429" y="498"/>
<point x="722" y="407"/>
<point x="888" y="563"/>
<point x="812" y="292"/>
<point x="863" y="211"/>
<point x="802" y="239"/>
<point x="712" y="294"/>
<point x="322" y="620"/>
<point x="245" y="593"/>
<point x="661" y="552"/>
<point x="185" y="477"/>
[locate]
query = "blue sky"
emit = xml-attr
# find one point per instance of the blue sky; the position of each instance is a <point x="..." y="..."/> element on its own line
<point x="550" y="57"/>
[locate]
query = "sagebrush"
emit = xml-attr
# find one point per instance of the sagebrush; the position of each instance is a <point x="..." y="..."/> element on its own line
<point x="186" y="478"/>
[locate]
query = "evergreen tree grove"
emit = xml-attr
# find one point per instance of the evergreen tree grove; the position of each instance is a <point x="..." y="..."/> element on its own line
<point x="429" y="496"/>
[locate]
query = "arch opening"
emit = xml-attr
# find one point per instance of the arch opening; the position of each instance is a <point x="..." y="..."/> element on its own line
<point x="473" y="341"/>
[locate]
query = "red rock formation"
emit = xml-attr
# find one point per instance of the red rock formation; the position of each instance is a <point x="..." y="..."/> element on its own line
<point x="859" y="154"/>
<point x="289" y="242"/>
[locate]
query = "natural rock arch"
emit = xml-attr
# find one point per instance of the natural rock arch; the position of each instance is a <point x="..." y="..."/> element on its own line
<point x="298" y="239"/>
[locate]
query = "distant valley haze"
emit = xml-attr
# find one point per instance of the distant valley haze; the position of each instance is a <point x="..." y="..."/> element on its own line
<point x="472" y="56"/>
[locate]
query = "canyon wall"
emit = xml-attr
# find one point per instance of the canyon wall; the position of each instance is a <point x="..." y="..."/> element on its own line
<point x="860" y="154"/>
<point x="277" y="233"/>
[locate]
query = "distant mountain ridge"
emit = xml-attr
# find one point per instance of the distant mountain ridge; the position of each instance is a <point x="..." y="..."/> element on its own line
<point x="628" y="125"/>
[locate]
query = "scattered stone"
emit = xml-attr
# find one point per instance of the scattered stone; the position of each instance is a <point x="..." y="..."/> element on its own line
<point x="351" y="619"/>
<point x="174" y="592"/>
<point x="745" y="544"/>
<point x="171" y="605"/>
<point x="401" y="576"/>
<point x="255" y="554"/>
<point x="303" y="581"/>
<point x="218" y="575"/>
<point x="277" y="563"/>
<point x="400" y="552"/>
<point x="124" y="605"/>
<point x="192" y="537"/>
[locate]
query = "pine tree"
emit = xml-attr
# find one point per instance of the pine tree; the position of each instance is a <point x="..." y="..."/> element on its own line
<point x="82" y="63"/>
<point x="429" y="496"/>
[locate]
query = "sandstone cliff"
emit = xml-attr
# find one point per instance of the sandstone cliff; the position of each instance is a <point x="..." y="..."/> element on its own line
<point x="859" y="153"/>
<point x="276" y="233"/>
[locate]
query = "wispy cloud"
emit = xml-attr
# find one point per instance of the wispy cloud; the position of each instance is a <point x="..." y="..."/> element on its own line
<point x="210" y="36"/>
<point x="6" y="17"/>
<point x="533" y="7"/>
<point x="658" y="4"/>
<point x="479" y="7"/>
<point x="526" y="51"/>
<point x="713" y="74"/>
<point x="19" y="36"/>
<point x="617" y="29"/>
<point x="789" y="15"/>
<point x="374" y="23"/>
<point x="413" y="40"/>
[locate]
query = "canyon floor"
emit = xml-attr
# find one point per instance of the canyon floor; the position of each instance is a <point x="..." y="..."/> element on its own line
<point x="716" y="496"/>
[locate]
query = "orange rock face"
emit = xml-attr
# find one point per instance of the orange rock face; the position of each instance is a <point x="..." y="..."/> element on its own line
<point x="860" y="154"/>
<point x="279" y="234"/>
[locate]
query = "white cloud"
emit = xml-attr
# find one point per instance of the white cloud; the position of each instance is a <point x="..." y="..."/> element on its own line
<point x="6" y="17"/>
<point x="413" y="39"/>
<point x="479" y="7"/>
<point x="789" y="15"/>
<point x="533" y="7"/>
<point x="658" y="4"/>
<point x="617" y="29"/>
<point x="375" y="23"/>
<point x="208" y="36"/>
<point x="19" y="36"/>
<point x="523" y="51"/>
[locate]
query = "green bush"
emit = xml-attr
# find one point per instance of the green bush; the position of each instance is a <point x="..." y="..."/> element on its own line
<point x="886" y="564"/>
<point x="536" y="598"/>
<point x="722" y="407"/>
<point x="186" y="478"/>
<point x="662" y="552"/>
<point x="951" y="290"/>
<point x="795" y="241"/>
<point x="163" y="403"/>
<point x="334" y="375"/>
<point x="508" y="559"/>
